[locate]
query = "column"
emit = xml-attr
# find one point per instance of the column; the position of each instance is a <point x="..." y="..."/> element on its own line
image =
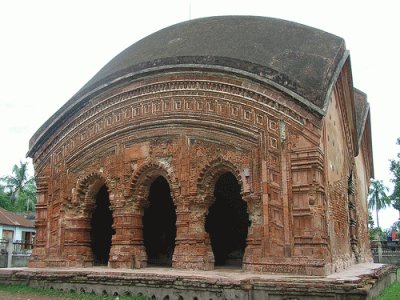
<point x="193" y="247"/>
<point x="39" y="252"/>
<point x="254" y="241"/>
<point x="127" y="250"/>
<point x="77" y="247"/>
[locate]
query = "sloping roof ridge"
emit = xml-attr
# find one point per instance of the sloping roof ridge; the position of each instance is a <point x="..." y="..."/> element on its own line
<point x="362" y="110"/>
<point x="4" y="214"/>
<point x="10" y="218"/>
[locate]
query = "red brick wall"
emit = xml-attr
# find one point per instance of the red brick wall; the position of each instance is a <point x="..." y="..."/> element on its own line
<point x="189" y="128"/>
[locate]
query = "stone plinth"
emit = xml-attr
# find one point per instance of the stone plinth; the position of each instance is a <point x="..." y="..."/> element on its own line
<point x="362" y="281"/>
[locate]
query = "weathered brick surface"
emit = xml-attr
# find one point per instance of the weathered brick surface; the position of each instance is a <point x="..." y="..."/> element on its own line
<point x="191" y="128"/>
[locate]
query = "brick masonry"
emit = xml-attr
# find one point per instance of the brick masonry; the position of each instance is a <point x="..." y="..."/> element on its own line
<point x="305" y="191"/>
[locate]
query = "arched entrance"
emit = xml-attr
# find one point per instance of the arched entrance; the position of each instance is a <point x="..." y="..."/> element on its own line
<point x="159" y="224"/>
<point x="227" y="222"/>
<point x="101" y="228"/>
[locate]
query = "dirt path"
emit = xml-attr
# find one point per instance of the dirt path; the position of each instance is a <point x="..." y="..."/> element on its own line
<point x="14" y="296"/>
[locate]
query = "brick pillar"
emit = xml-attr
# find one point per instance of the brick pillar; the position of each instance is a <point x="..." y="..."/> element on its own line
<point x="254" y="246"/>
<point x="39" y="252"/>
<point x="77" y="247"/>
<point x="193" y="247"/>
<point x="355" y="245"/>
<point x="127" y="250"/>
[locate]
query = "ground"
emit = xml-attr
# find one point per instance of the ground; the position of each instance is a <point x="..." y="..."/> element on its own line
<point x="14" y="296"/>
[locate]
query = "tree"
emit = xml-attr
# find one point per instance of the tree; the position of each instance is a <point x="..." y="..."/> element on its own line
<point x="4" y="199"/>
<point x="375" y="233"/>
<point x="395" y="169"/>
<point x="27" y="199"/>
<point x="16" y="182"/>
<point x="378" y="198"/>
<point x="18" y="191"/>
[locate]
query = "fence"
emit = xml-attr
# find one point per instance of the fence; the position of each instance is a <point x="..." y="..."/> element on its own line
<point x="14" y="254"/>
<point x="386" y="252"/>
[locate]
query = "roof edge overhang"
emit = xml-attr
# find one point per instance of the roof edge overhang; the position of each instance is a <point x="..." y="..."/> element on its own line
<point x="344" y="69"/>
<point x="365" y="114"/>
<point x="336" y="74"/>
<point x="351" y="106"/>
<point x="366" y="132"/>
<point x="364" y="135"/>
<point x="266" y="76"/>
<point x="370" y="144"/>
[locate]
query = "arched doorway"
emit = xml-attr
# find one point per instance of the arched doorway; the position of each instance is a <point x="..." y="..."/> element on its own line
<point x="159" y="224"/>
<point x="101" y="228"/>
<point x="227" y="222"/>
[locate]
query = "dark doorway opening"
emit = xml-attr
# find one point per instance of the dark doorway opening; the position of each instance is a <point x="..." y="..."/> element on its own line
<point x="101" y="228"/>
<point x="159" y="224"/>
<point x="227" y="222"/>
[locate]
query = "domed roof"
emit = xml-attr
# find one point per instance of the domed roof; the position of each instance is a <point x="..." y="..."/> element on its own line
<point x="298" y="57"/>
<point x="299" y="60"/>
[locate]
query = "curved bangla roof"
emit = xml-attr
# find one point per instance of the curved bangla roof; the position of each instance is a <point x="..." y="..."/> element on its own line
<point x="299" y="60"/>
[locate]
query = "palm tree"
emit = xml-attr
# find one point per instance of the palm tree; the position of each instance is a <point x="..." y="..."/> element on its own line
<point x="378" y="198"/>
<point x="18" y="190"/>
<point x="28" y="197"/>
<point x="16" y="182"/>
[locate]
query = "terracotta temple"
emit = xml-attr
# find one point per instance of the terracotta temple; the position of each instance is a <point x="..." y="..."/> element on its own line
<point x="231" y="141"/>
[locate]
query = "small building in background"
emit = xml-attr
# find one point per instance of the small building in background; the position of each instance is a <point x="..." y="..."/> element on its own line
<point x="14" y="227"/>
<point x="17" y="235"/>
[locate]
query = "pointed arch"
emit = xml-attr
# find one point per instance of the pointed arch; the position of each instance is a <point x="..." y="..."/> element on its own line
<point x="142" y="178"/>
<point x="210" y="174"/>
<point x="91" y="214"/>
<point x="151" y="182"/>
<point x="89" y="183"/>
<point x="87" y="187"/>
<point x="226" y="216"/>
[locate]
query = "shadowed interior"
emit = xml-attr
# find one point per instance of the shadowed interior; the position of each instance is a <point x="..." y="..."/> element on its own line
<point x="227" y="222"/>
<point x="159" y="224"/>
<point x="101" y="228"/>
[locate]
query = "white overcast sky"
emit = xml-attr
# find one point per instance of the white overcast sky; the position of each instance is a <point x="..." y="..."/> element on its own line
<point x="50" y="49"/>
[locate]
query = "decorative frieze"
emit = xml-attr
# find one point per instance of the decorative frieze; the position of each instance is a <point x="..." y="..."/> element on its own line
<point x="170" y="97"/>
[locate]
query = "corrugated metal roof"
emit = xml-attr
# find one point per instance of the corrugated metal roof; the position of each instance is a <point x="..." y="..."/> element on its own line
<point x="10" y="218"/>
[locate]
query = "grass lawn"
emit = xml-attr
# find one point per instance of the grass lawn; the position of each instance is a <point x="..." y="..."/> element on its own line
<point x="22" y="289"/>
<point x="392" y="292"/>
